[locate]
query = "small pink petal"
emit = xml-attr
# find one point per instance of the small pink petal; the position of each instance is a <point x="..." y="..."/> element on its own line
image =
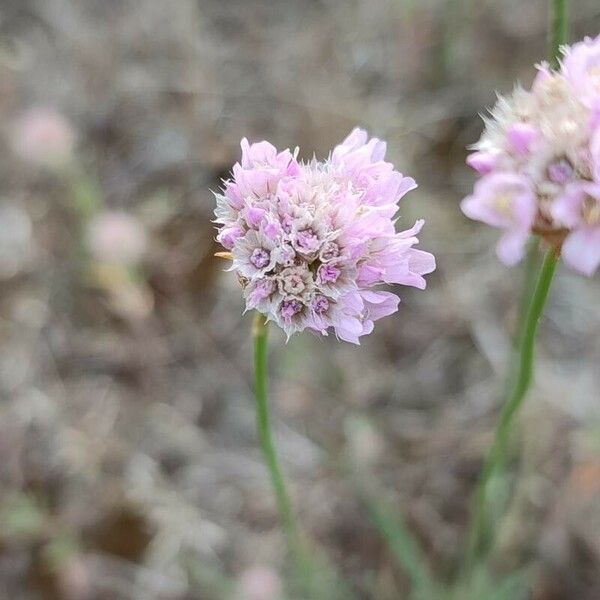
<point x="581" y="250"/>
<point x="482" y="162"/>
<point x="511" y="247"/>
<point x="521" y="137"/>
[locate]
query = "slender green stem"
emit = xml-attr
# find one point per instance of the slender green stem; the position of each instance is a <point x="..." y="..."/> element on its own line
<point x="316" y="578"/>
<point x="263" y="423"/>
<point x="530" y="269"/>
<point x="481" y="533"/>
<point x="559" y="30"/>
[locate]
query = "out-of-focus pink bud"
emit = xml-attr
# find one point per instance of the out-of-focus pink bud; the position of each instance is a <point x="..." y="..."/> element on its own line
<point x="116" y="237"/>
<point x="259" y="583"/>
<point x="44" y="137"/>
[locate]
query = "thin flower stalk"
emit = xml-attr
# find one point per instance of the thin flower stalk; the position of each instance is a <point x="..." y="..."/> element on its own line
<point x="263" y="425"/>
<point x="534" y="209"/>
<point x="482" y="532"/>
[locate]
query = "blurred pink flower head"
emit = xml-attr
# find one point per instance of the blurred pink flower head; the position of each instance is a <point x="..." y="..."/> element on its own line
<point x="314" y="242"/>
<point x="116" y="237"/>
<point x="260" y="583"/>
<point x="539" y="162"/>
<point x="44" y="137"/>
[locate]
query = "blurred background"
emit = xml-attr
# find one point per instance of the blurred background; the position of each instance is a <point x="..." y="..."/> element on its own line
<point x="129" y="467"/>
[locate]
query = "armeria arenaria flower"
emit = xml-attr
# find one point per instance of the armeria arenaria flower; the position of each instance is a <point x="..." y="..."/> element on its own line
<point x="539" y="160"/>
<point x="312" y="243"/>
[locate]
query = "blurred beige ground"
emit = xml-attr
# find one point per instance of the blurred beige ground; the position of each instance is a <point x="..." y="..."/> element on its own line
<point x="128" y="462"/>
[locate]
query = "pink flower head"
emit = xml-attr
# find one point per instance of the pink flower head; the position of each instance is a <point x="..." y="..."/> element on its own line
<point x="116" y="237"/>
<point x="314" y="242"/>
<point x="539" y="162"/>
<point x="44" y="137"/>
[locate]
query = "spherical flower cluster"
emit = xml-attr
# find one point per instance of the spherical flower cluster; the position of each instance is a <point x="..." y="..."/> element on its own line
<point x="311" y="242"/>
<point x="539" y="160"/>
